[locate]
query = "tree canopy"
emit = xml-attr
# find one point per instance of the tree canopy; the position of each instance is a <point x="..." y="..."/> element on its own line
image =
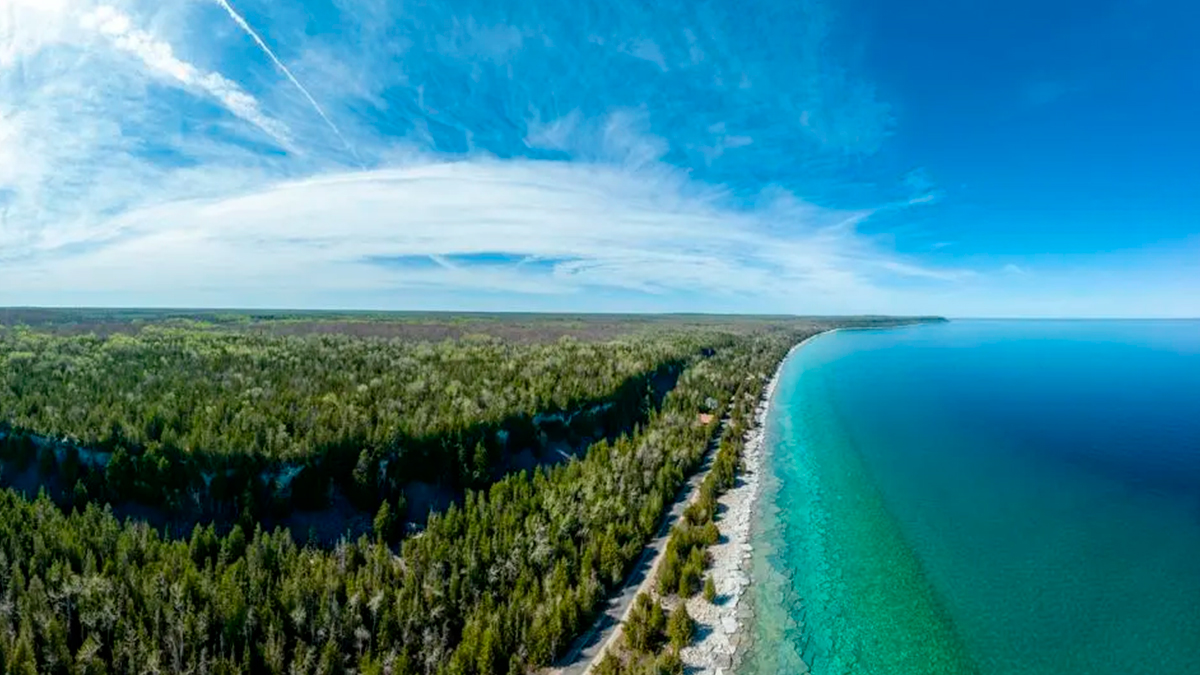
<point x="502" y="581"/>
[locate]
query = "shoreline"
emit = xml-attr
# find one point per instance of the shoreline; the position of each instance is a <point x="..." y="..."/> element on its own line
<point x="719" y="650"/>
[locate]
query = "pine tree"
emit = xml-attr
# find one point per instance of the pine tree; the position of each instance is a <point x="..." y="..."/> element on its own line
<point x="645" y="624"/>
<point x="79" y="495"/>
<point x="382" y="525"/>
<point x="681" y="627"/>
<point x="610" y="559"/>
<point x="481" y="464"/>
<point x="668" y="571"/>
<point x="489" y="653"/>
<point x="658" y="620"/>
<point x="22" y="660"/>
<point x="331" y="659"/>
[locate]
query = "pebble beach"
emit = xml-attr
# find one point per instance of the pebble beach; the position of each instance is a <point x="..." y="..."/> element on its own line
<point x="720" y="623"/>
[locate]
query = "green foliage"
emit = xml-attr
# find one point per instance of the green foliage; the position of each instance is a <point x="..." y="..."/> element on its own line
<point x="21" y="660"/>
<point x="79" y="495"/>
<point x="609" y="665"/>
<point x="290" y="397"/>
<point x="685" y="559"/>
<point x="646" y="626"/>
<point x="187" y="415"/>
<point x="681" y="628"/>
<point x="668" y="663"/>
<point x="499" y="583"/>
<point x="710" y="589"/>
<point x="383" y="523"/>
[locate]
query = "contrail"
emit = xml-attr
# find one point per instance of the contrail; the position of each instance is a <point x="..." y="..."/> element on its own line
<point x="283" y="69"/>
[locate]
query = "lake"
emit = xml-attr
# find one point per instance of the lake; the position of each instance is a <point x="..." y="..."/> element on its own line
<point x="983" y="497"/>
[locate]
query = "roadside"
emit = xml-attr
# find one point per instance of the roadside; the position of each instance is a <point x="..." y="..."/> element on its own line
<point x="590" y="647"/>
<point x="722" y="622"/>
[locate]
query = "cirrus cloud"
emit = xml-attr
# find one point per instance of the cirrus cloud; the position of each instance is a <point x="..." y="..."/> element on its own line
<point x="524" y="227"/>
<point x="202" y="153"/>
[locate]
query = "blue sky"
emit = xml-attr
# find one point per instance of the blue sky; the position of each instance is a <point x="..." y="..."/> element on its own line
<point x="960" y="158"/>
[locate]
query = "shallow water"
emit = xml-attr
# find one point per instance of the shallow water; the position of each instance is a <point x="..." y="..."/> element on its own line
<point x="993" y="497"/>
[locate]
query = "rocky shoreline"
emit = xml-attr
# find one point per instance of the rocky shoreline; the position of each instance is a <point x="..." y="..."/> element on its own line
<point x="721" y="623"/>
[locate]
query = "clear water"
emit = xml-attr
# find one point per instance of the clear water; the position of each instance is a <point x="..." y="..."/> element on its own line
<point x="983" y="497"/>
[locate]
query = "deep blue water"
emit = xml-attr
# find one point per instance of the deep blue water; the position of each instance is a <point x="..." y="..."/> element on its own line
<point x="994" y="497"/>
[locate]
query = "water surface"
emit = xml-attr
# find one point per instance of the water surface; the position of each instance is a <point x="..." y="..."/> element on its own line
<point x="991" y="497"/>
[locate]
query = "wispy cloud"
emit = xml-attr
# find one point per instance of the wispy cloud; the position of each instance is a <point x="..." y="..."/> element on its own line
<point x="620" y="137"/>
<point x="160" y="57"/>
<point x="98" y="115"/>
<point x="241" y="22"/>
<point x="647" y="50"/>
<point x="723" y="141"/>
<point x="556" y="134"/>
<point x="590" y="226"/>
<point x="148" y="151"/>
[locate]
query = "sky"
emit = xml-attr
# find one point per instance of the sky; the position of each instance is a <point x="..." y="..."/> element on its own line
<point x="1008" y="159"/>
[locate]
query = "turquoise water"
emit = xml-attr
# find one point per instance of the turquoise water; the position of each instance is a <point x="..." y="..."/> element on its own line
<point x="983" y="497"/>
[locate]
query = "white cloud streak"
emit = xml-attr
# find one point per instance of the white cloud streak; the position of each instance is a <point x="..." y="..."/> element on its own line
<point x="619" y="138"/>
<point x="159" y="57"/>
<point x="127" y="196"/>
<point x="245" y="26"/>
<point x="574" y="227"/>
<point x="86" y="130"/>
<point x="647" y="50"/>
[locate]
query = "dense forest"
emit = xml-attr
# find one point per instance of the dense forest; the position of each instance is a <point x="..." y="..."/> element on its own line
<point x="188" y="418"/>
<point x="500" y="582"/>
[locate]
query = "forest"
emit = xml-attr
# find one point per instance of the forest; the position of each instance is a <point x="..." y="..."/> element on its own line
<point x="225" y="422"/>
<point x="162" y="410"/>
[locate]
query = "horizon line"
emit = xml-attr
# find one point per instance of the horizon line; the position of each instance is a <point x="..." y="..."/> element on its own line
<point x="461" y="312"/>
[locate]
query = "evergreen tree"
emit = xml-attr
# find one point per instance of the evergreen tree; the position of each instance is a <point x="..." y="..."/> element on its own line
<point x="644" y="627"/>
<point x="382" y="525"/>
<point x="681" y="627"/>
<point x="22" y="660"/>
